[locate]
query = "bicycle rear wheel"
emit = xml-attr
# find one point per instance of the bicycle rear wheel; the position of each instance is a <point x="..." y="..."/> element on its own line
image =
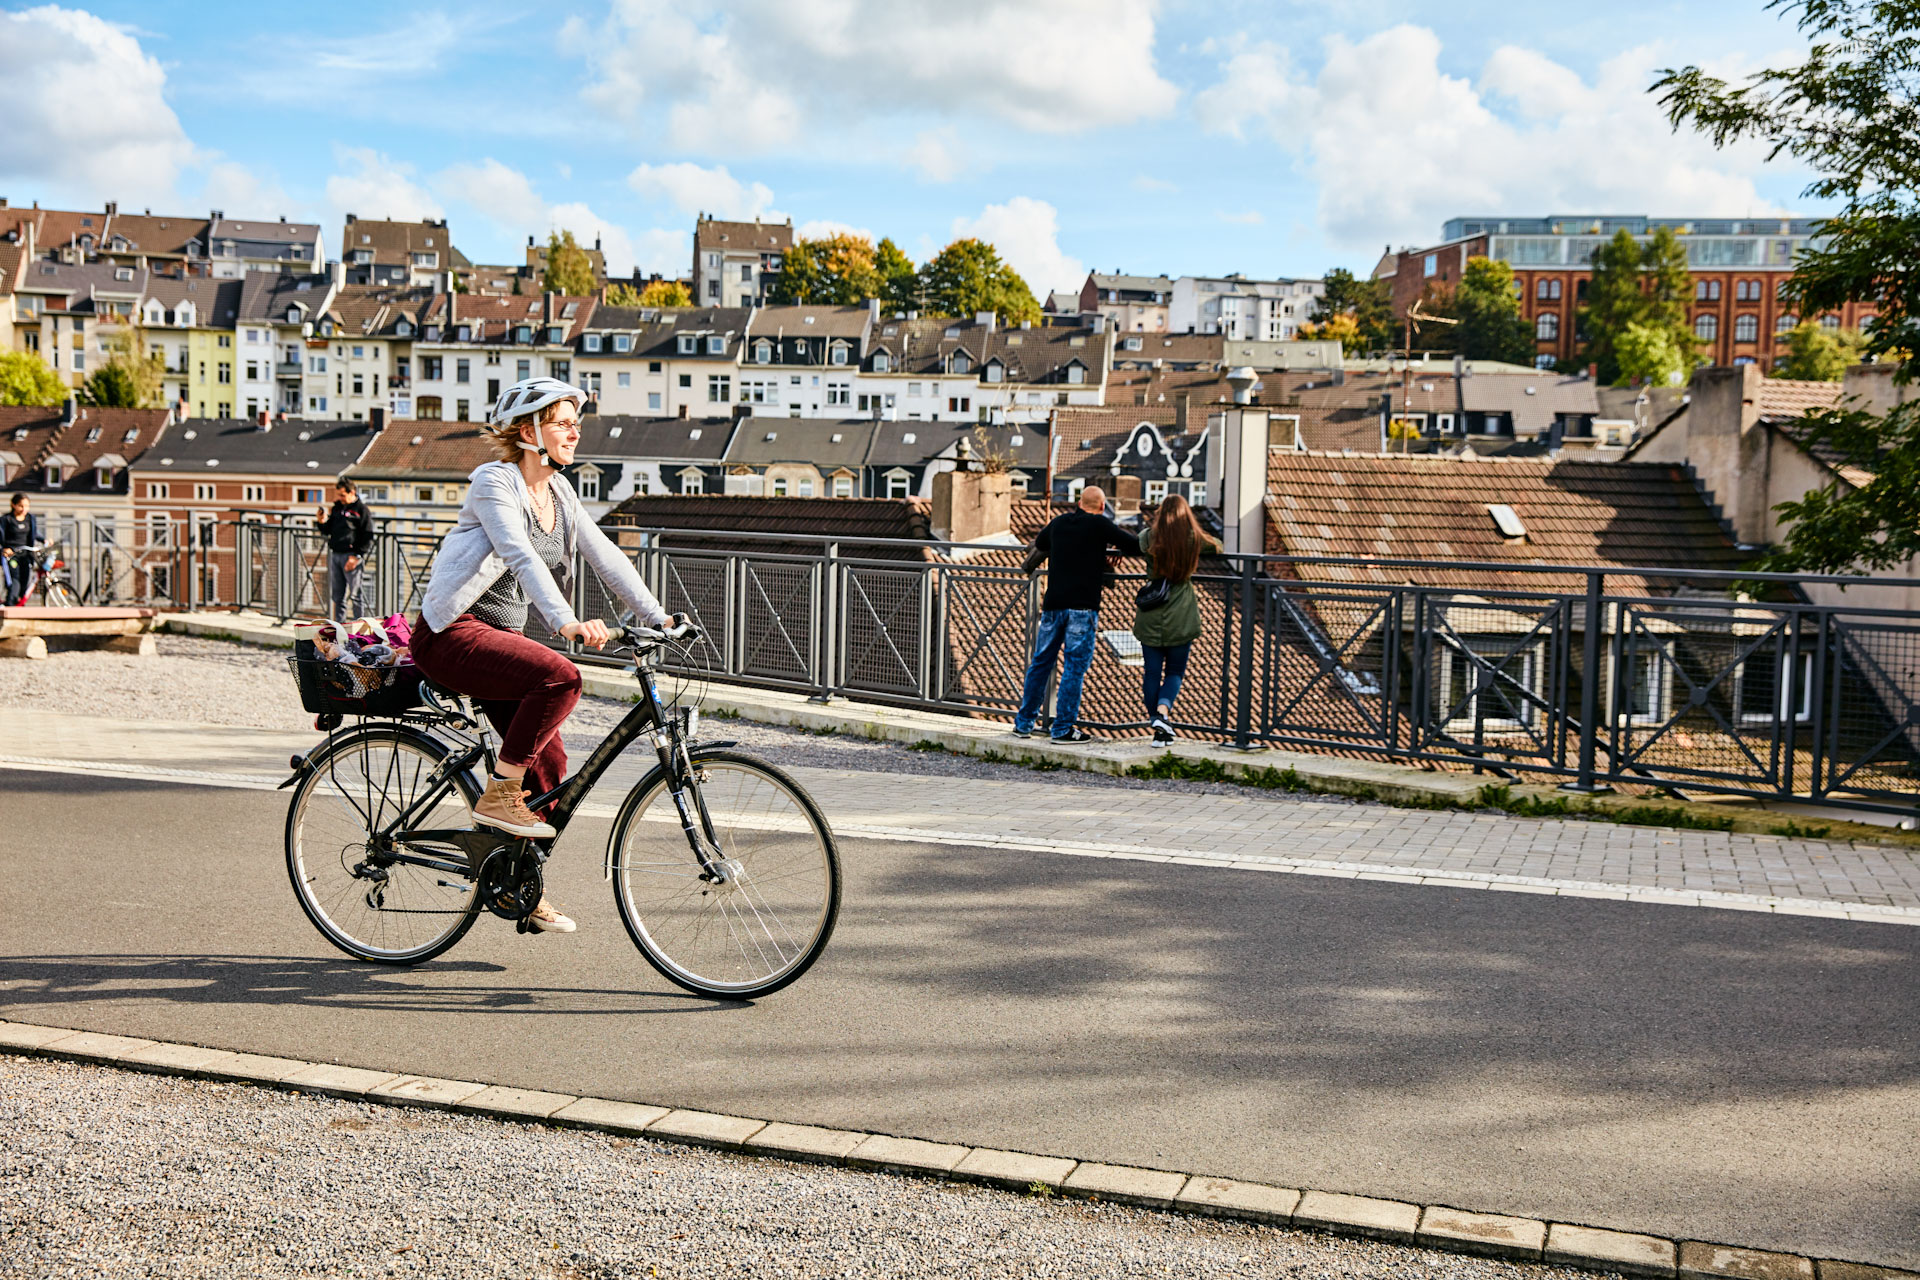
<point x="766" y="918"/>
<point x="362" y="901"/>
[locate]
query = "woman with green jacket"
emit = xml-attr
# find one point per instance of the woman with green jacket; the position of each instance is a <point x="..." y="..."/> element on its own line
<point x="1172" y="546"/>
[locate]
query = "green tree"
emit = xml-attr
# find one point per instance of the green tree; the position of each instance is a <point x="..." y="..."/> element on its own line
<point x="569" y="270"/>
<point x="833" y="271"/>
<point x="1818" y="354"/>
<point x="1491" y="326"/>
<point x="130" y="379"/>
<point x="1369" y="302"/>
<point x="26" y="379"/>
<point x="968" y="277"/>
<point x="899" y="281"/>
<point x="666" y="293"/>
<point x="1636" y="284"/>
<point x="1341" y="328"/>
<point x="1648" y="353"/>
<point x="1850" y="112"/>
<point x="619" y="294"/>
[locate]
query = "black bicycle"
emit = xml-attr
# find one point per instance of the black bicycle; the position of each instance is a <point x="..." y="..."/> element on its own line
<point x="723" y="869"/>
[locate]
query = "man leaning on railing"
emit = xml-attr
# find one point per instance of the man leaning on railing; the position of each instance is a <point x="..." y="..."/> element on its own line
<point x="1075" y="548"/>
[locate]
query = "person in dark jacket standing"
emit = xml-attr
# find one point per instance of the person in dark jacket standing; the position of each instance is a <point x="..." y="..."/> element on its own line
<point x="349" y="530"/>
<point x="1075" y="548"/>
<point x="1172" y="545"/>
<point x="19" y="535"/>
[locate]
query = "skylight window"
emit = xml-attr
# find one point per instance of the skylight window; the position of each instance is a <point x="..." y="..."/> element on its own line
<point x="1506" y="520"/>
<point x="773" y="435"/>
<point x="907" y="438"/>
<point x="694" y="434"/>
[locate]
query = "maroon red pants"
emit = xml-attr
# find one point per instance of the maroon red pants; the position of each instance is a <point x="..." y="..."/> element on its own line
<point x="526" y="689"/>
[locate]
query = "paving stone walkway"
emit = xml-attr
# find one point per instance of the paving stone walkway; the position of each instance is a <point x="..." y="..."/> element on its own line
<point x="1262" y="831"/>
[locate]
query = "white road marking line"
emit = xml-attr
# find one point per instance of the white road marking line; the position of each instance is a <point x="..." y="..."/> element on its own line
<point x="1371" y="871"/>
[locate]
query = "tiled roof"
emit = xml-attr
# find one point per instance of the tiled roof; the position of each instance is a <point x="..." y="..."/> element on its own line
<point x="115" y="437"/>
<point x="922" y="345"/>
<point x="295" y="447"/>
<point x="161" y="234"/>
<point x="1195" y="350"/>
<point x="428" y="449"/>
<point x="846" y="518"/>
<point x="1085" y="437"/>
<point x="824" y="442"/>
<point x="395" y="243"/>
<point x="78" y="281"/>
<point x="809" y="322"/>
<point x="1137" y="284"/>
<point x="620" y="435"/>
<point x="1436" y="508"/>
<point x="266" y="295"/>
<point x="371" y="310"/>
<point x="25" y="433"/>
<point x="493" y="318"/>
<point x="216" y="303"/>
<point x="1534" y="400"/>
<point x="1043" y="354"/>
<point x="756" y="236"/>
<point x="1788" y="398"/>
<point x="729" y="323"/>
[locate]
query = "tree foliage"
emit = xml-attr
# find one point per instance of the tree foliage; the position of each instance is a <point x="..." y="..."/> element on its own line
<point x="130" y="379"/>
<point x="899" y="281"/>
<point x="1341" y="328"/>
<point x="569" y="270"/>
<point x="1491" y="326"/>
<point x="833" y="271"/>
<point x="666" y="293"/>
<point x="1816" y="353"/>
<point x="1850" y="112"/>
<point x="1648" y="353"/>
<point x="26" y="379"/>
<point x="1634" y="284"/>
<point x="1367" y="302"/>
<point x="620" y="294"/>
<point x="968" y="277"/>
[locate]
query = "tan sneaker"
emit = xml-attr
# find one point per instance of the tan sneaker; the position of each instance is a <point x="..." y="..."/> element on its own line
<point x="547" y="919"/>
<point x="504" y="808"/>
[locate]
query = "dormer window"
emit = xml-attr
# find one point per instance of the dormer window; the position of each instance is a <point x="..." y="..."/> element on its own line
<point x="839" y="354"/>
<point x="687" y="341"/>
<point x="464" y="333"/>
<point x="155" y="313"/>
<point x="522" y="333"/>
<point x="556" y="334"/>
<point x="994" y="371"/>
<point x="183" y="315"/>
<point x="55" y="475"/>
<point x="403" y="330"/>
<point x="763" y="352"/>
<point x="960" y="363"/>
<point x="622" y="342"/>
<point x="296" y="313"/>
<point x="593" y="342"/>
<point x="433" y="333"/>
<point x="953" y="332"/>
<point x="716" y="345"/>
<point x="123" y="273"/>
<point x="93" y="433"/>
<point x="103" y="477"/>
<point x="882" y="362"/>
<point x="1076" y="374"/>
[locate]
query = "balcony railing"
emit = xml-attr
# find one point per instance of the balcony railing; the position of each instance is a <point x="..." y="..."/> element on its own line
<point x="288" y="369"/>
<point x="1653" y="678"/>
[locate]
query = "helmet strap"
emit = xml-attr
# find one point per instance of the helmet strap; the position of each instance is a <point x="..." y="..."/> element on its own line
<point x="542" y="451"/>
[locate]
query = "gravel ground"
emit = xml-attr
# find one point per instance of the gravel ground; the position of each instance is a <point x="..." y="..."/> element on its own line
<point x="112" y="1173"/>
<point x="219" y="682"/>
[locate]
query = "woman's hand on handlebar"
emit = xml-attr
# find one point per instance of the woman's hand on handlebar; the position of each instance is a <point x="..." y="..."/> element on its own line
<point x="592" y="633"/>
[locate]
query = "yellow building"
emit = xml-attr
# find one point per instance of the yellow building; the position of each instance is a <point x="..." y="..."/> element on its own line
<point x="189" y="323"/>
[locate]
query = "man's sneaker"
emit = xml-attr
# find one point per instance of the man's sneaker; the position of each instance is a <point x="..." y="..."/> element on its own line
<point x="1018" y="732"/>
<point x="504" y="808"/>
<point x="547" y="919"/>
<point x="1162" y="731"/>
<point x="1073" y="737"/>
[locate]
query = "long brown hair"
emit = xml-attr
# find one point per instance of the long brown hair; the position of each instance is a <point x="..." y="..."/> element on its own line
<point x="1176" y="540"/>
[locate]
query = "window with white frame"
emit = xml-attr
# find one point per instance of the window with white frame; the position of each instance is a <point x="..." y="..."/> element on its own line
<point x="1546" y="326"/>
<point x="1156" y="491"/>
<point x="253" y="493"/>
<point x="840" y="393"/>
<point x="589" y="478"/>
<point x="592" y="342"/>
<point x="843" y="486"/>
<point x="1766" y="691"/>
<point x="1746" y="328"/>
<point x="692" y="481"/>
<point x="156" y="490"/>
<point x="899" y="483"/>
<point x="1486" y="683"/>
<point x="1706" y="326"/>
<point x="622" y="343"/>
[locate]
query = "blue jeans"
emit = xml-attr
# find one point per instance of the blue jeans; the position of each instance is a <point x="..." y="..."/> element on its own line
<point x="1155" y="689"/>
<point x="1072" y="630"/>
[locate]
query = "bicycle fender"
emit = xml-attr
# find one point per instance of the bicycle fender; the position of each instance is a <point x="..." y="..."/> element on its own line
<point x="300" y="770"/>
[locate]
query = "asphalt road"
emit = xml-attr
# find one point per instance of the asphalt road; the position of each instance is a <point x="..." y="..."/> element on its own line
<point x="1716" y="1075"/>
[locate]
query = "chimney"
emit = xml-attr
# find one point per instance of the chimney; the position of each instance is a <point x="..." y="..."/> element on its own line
<point x="873" y="309"/>
<point x="972" y="506"/>
<point x="70" y="410"/>
<point x="1243" y="380"/>
<point x="683" y="412"/>
<point x="113" y="207"/>
<point x="263" y="421"/>
<point x="984" y="319"/>
<point x="351" y="219"/>
<point x="1182" y="406"/>
<point x="1099" y="323"/>
<point x="376" y="421"/>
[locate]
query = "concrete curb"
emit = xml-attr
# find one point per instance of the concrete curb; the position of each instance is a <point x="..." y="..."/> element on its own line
<point x="1303" y="771"/>
<point x="1440" y="1227"/>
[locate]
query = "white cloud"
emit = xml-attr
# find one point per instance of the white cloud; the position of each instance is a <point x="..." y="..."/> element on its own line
<point x="936" y="153"/>
<point x="691" y="188"/>
<point x="1396" y="146"/>
<point x="821" y="228"/>
<point x="505" y="195"/>
<point x="1027" y="234"/>
<point x="501" y="196"/>
<point x="85" y="110"/>
<point x="244" y="193"/>
<point x="756" y="74"/>
<point x="371" y="185"/>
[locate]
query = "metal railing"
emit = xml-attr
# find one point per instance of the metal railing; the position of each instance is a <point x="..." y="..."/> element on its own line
<point x="1655" y="677"/>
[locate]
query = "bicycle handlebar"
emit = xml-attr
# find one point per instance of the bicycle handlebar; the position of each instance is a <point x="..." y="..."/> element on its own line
<point x="637" y="636"/>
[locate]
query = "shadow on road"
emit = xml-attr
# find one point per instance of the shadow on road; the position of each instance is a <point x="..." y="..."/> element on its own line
<point x="436" y="987"/>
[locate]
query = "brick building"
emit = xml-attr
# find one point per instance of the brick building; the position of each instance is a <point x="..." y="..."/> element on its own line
<point x="1738" y="265"/>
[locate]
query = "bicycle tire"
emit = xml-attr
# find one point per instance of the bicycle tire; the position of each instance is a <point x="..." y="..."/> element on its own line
<point x="59" y="596"/>
<point x="306" y="864"/>
<point x="681" y="939"/>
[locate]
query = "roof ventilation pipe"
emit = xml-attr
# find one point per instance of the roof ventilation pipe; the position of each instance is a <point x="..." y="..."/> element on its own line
<point x="1243" y="380"/>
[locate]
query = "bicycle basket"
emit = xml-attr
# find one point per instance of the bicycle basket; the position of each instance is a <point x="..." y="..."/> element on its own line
<point x="335" y="688"/>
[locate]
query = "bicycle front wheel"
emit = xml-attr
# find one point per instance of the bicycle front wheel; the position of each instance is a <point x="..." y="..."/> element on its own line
<point x="765" y="917"/>
<point x="361" y="899"/>
<point x="59" y="595"/>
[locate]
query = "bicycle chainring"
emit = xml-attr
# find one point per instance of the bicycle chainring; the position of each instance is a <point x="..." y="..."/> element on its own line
<point x="510" y="883"/>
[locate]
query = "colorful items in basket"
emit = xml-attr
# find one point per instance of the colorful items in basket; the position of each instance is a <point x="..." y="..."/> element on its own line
<point x="365" y="649"/>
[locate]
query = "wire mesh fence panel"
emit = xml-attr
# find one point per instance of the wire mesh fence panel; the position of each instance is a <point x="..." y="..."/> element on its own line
<point x="882" y="628"/>
<point x="984" y="617"/>
<point x="778" y="613"/>
<point x="1489" y="676"/>
<point x="1326" y="664"/>
<point x="696" y="584"/>
<point x="1873" y="729"/>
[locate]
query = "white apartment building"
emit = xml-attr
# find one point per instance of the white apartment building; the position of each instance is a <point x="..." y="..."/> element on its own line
<point x="471" y="347"/>
<point x="1241" y="309"/>
<point x="617" y="362"/>
<point x="803" y="362"/>
<point x="735" y="262"/>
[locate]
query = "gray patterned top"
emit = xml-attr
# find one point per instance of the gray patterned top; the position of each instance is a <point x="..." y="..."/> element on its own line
<point x="504" y="604"/>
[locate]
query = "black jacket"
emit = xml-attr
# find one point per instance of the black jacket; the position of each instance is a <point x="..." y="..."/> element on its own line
<point x="17" y="532"/>
<point x="349" y="527"/>
<point x="1075" y="546"/>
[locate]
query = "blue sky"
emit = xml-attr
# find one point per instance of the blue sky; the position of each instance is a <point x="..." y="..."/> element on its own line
<point x="1273" y="138"/>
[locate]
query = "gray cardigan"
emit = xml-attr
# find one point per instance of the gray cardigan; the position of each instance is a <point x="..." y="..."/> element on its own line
<point x="490" y="537"/>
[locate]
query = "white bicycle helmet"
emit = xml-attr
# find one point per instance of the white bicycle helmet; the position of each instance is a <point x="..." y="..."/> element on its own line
<point x="531" y="395"/>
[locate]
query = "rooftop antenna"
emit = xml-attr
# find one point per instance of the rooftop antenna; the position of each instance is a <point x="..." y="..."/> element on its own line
<point x="1406" y="397"/>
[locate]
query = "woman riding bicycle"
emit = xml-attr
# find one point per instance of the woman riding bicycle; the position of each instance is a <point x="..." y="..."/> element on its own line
<point x="513" y="546"/>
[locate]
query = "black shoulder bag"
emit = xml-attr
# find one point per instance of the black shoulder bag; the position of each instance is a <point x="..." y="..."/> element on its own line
<point x="1153" y="596"/>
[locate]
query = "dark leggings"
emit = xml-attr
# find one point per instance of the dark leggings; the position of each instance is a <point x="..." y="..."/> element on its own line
<point x="526" y="689"/>
<point x="1153" y="687"/>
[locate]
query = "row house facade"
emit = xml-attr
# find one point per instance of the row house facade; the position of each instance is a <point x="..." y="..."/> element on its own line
<point x="471" y="347"/>
<point x="1241" y="309"/>
<point x="378" y="251"/>
<point x="360" y="358"/>
<point x="1739" y="265"/>
<point x="1131" y="304"/>
<point x="955" y="370"/>
<point x="70" y="312"/>
<point x="212" y="245"/>
<point x="624" y="455"/>
<point x="189" y="322"/>
<point x="278" y="314"/>
<point x="74" y="462"/>
<point x="803" y="362"/>
<point x="736" y="263"/>
<point x="618" y="363"/>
